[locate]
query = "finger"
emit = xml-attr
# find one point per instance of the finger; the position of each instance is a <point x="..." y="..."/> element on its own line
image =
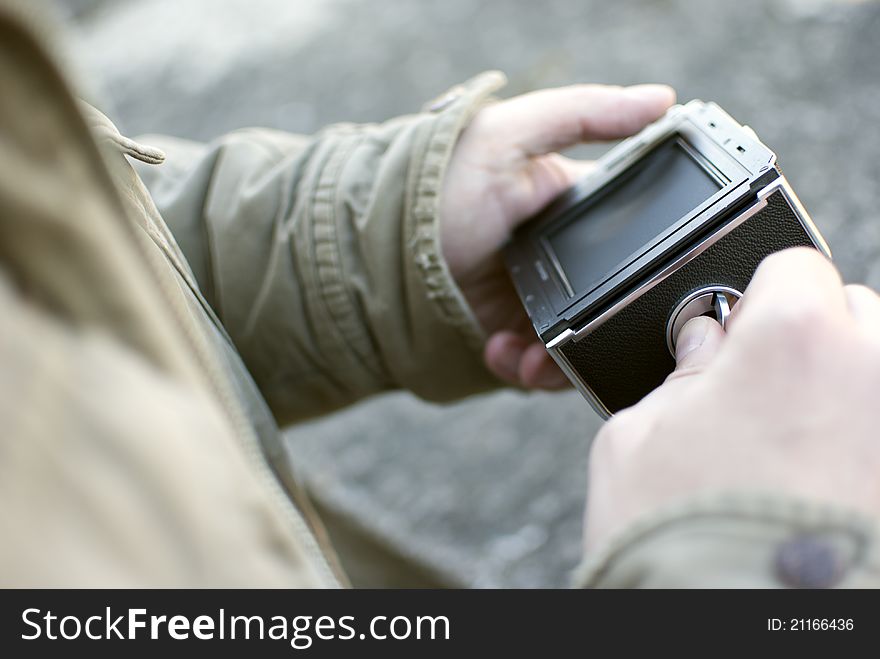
<point x="550" y="175"/>
<point x="573" y="170"/>
<point x="864" y="305"/>
<point x="503" y="353"/>
<point x="538" y="370"/>
<point x="553" y="119"/>
<point x="799" y="282"/>
<point x="696" y="346"/>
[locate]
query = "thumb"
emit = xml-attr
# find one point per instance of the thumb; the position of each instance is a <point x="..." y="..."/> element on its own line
<point x="554" y="119"/>
<point x="697" y="344"/>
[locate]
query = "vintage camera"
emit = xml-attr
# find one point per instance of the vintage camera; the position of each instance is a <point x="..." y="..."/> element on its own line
<point x="672" y="225"/>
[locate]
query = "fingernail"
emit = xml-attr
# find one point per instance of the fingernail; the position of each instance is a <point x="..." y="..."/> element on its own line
<point x="691" y="337"/>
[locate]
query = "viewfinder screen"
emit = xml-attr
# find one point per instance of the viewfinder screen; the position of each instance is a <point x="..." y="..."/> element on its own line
<point x="594" y="240"/>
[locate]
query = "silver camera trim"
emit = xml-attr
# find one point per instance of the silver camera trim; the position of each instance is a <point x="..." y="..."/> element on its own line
<point x="696" y="303"/>
<point x="685" y="120"/>
<point x="554" y="346"/>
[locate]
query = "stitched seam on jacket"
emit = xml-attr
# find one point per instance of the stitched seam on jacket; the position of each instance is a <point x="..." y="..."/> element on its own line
<point x="335" y="296"/>
<point x="424" y="239"/>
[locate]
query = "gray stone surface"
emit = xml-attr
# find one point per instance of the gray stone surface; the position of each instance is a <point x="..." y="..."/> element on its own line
<point x="491" y="488"/>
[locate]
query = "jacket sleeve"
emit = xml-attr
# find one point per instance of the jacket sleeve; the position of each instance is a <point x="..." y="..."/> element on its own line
<point x="740" y="540"/>
<point x="321" y="255"/>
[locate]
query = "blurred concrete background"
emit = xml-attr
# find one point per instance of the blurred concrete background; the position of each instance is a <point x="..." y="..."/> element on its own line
<point x="491" y="490"/>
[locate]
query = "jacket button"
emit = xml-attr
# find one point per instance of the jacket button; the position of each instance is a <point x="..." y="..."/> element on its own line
<point x="808" y="561"/>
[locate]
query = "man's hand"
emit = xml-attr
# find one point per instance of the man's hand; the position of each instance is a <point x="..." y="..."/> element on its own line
<point x="504" y="169"/>
<point x="788" y="400"/>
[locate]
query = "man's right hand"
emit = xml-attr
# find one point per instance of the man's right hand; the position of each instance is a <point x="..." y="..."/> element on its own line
<point x="788" y="400"/>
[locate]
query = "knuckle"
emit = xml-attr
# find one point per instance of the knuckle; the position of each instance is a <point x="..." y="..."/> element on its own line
<point x="600" y="442"/>
<point x="862" y="291"/>
<point x="859" y="288"/>
<point x="620" y="444"/>
<point x="794" y="257"/>
<point x="618" y="427"/>
<point x="601" y="449"/>
<point x="802" y="318"/>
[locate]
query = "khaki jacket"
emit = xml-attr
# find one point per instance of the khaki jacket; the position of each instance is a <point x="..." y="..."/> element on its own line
<point x="152" y="343"/>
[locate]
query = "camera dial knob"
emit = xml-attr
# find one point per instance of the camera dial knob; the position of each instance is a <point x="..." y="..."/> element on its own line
<point x="715" y="301"/>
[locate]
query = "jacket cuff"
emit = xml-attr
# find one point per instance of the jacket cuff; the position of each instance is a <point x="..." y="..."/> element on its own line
<point x="740" y="540"/>
<point x="397" y="317"/>
<point x="450" y="365"/>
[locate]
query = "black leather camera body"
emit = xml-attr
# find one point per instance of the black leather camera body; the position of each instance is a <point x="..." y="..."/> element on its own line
<point x="671" y="225"/>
